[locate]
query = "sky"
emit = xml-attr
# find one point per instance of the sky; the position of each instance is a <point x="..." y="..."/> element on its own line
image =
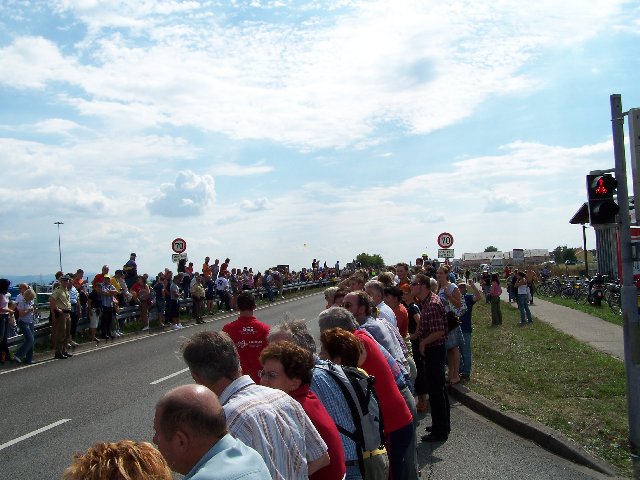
<point x="276" y="132"/>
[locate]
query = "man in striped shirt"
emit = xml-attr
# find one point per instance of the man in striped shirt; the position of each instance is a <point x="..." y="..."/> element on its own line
<point x="266" y="419"/>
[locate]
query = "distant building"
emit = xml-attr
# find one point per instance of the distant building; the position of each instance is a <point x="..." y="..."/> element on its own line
<point x="499" y="259"/>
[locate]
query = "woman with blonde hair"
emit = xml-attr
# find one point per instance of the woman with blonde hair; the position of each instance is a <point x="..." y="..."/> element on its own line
<point x="124" y="460"/>
<point x="26" y="308"/>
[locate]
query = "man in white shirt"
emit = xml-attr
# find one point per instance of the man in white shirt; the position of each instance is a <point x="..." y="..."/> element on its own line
<point x="266" y="419"/>
<point x="375" y="290"/>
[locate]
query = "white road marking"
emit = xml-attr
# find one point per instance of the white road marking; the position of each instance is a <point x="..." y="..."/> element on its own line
<point x="155" y="382"/>
<point x="35" y="432"/>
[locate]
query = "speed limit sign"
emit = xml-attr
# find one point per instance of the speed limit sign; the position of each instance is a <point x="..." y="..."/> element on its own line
<point x="179" y="245"/>
<point x="445" y="240"/>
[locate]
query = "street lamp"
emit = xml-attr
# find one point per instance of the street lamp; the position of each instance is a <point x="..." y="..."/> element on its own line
<point x="59" y="249"/>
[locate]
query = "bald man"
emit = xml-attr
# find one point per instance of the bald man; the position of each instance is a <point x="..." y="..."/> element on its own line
<point x="191" y="433"/>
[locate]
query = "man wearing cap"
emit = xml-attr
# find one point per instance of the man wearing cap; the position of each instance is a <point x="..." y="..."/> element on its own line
<point x="130" y="270"/>
<point x="61" y="308"/>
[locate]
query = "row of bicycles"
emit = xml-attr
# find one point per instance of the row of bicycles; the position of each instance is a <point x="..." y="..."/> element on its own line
<point x="596" y="291"/>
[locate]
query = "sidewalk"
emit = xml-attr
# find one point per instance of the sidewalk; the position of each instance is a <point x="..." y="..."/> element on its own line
<point x="601" y="335"/>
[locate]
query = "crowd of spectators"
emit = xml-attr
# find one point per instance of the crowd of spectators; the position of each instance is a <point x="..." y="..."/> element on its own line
<point x="74" y="298"/>
<point x="266" y="402"/>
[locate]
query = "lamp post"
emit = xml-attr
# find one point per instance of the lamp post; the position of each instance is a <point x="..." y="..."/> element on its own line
<point x="59" y="249"/>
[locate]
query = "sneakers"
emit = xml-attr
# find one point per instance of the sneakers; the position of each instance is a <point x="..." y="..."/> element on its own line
<point x="176" y="326"/>
<point x="145" y="329"/>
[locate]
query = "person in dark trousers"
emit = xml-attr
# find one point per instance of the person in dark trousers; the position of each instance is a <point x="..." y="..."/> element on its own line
<point x="433" y="334"/>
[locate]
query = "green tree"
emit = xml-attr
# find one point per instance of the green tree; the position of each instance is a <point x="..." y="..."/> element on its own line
<point x="491" y="248"/>
<point x="563" y="253"/>
<point x="367" y="260"/>
<point x="557" y="254"/>
<point x="569" y="254"/>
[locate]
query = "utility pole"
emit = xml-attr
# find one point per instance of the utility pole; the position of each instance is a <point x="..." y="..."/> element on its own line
<point x="584" y="248"/>
<point x="630" y="327"/>
<point x="59" y="248"/>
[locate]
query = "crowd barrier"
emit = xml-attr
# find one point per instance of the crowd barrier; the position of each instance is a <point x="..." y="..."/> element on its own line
<point x="42" y="329"/>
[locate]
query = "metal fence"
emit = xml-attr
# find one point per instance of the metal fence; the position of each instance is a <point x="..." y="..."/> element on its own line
<point x="43" y="327"/>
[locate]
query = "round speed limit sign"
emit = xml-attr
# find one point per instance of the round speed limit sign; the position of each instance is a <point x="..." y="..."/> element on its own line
<point x="445" y="240"/>
<point x="179" y="245"/>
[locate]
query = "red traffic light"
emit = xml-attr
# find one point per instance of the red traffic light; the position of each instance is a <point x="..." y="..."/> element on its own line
<point x="602" y="206"/>
<point x="602" y="186"/>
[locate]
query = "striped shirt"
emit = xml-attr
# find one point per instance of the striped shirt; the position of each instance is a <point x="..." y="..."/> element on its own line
<point x="325" y="388"/>
<point x="275" y="425"/>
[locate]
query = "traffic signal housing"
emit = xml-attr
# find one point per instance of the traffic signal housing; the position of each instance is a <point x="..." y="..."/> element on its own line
<point x="602" y="207"/>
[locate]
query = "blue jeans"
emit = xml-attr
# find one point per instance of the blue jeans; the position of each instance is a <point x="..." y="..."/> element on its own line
<point x="465" y="354"/>
<point x="353" y="473"/>
<point x="25" y="351"/>
<point x="523" y="306"/>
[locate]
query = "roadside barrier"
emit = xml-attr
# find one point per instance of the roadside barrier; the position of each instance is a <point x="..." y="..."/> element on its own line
<point x="42" y="329"/>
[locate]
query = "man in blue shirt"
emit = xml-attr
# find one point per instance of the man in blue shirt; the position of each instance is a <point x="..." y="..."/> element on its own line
<point x="466" y="326"/>
<point x="191" y="433"/>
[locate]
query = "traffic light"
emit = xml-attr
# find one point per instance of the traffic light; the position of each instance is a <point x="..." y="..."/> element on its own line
<point x="602" y="206"/>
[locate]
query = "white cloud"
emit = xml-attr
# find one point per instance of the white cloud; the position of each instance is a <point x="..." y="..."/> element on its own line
<point x="190" y="195"/>
<point x="33" y="62"/>
<point x="256" y="205"/>
<point x="237" y="170"/>
<point x="417" y="66"/>
<point x="59" y="126"/>
<point x="58" y="200"/>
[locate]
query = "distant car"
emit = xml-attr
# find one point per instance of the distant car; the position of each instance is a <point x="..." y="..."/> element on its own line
<point x="570" y="262"/>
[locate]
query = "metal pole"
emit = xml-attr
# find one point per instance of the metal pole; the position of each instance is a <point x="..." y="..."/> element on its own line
<point x="59" y="247"/>
<point x="630" y="328"/>
<point x="634" y="147"/>
<point x="584" y="248"/>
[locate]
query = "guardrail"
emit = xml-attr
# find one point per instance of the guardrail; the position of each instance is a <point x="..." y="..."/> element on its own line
<point x="42" y="329"/>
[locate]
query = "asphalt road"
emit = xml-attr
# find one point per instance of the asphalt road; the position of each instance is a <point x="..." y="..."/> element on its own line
<point x="52" y="409"/>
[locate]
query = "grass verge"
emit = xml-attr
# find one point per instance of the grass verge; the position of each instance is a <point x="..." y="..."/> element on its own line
<point x="549" y="376"/>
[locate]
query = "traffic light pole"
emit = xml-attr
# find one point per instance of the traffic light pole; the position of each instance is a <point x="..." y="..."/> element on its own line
<point x="631" y="327"/>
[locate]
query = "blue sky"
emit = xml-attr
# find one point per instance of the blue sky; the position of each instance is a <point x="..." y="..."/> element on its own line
<point x="281" y="131"/>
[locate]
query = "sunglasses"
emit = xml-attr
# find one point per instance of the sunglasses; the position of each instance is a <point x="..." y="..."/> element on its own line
<point x="349" y="304"/>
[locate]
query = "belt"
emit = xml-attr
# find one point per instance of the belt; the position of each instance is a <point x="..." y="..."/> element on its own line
<point x="66" y="311"/>
<point x="365" y="455"/>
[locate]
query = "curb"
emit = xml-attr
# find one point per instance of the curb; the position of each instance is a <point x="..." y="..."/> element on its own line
<point x="546" y="437"/>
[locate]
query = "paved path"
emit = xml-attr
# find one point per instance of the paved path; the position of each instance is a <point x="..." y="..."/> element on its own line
<point x="602" y="335"/>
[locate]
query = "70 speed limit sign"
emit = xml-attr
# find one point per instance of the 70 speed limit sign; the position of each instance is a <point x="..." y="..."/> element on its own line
<point x="179" y="245"/>
<point x="445" y="240"/>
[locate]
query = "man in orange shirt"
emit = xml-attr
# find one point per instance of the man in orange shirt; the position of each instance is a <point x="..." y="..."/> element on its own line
<point x="206" y="268"/>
